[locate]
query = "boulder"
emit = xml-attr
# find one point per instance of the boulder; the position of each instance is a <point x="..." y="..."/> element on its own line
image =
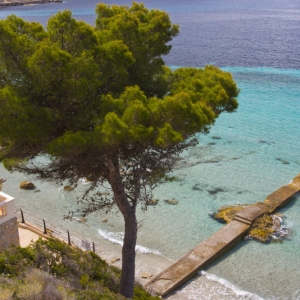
<point x="27" y="185"/>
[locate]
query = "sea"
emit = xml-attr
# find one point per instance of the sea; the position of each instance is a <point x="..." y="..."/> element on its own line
<point x="246" y="156"/>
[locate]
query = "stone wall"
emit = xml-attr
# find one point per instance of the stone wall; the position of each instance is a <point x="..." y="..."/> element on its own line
<point x="9" y="234"/>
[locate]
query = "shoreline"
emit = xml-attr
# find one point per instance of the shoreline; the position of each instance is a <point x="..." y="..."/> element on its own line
<point x="202" y="286"/>
<point x="6" y="3"/>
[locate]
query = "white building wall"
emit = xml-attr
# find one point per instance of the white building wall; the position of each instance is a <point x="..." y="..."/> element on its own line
<point x="9" y="202"/>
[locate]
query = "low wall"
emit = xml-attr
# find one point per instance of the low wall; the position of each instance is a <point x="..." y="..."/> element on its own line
<point x="9" y="234"/>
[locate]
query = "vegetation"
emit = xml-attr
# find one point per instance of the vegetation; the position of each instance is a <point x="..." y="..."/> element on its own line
<point x="263" y="229"/>
<point x="227" y="213"/>
<point x="98" y="102"/>
<point x="52" y="270"/>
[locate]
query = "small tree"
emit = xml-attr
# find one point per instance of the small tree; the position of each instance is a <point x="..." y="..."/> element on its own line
<point x="99" y="102"/>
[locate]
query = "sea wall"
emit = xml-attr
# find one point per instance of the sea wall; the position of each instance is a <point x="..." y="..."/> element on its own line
<point x="26" y="2"/>
<point x="9" y="234"/>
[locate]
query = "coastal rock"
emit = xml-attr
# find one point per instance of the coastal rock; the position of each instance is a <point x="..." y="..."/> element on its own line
<point x="172" y="202"/>
<point x="115" y="259"/>
<point x="27" y="185"/>
<point x="227" y="213"/>
<point x="68" y="188"/>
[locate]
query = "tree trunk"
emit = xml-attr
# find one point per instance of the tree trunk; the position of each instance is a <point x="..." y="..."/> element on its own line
<point x="128" y="256"/>
<point x="128" y="212"/>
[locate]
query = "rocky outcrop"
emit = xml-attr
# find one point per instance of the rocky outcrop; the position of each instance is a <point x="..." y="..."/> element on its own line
<point x="26" y="2"/>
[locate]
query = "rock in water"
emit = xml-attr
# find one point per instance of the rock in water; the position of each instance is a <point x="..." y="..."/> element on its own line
<point x="27" y="185"/>
<point x="172" y="202"/>
<point x="152" y="202"/>
<point x="68" y="188"/>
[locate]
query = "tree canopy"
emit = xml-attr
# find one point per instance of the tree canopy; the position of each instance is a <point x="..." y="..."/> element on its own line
<point x="100" y="103"/>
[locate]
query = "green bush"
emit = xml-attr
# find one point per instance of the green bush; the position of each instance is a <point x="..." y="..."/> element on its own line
<point x="50" y="269"/>
<point x="141" y="294"/>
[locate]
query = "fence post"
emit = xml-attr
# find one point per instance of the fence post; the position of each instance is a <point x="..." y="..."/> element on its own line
<point x="69" y="239"/>
<point x="94" y="247"/>
<point x="22" y="216"/>
<point x="45" y="229"/>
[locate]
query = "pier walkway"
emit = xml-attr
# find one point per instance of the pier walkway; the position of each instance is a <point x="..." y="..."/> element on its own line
<point x="210" y="249"/>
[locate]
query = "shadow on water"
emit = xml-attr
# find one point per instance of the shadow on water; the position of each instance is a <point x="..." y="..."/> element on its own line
<point x="233" y="250"/>
<point x="291" y="203"/>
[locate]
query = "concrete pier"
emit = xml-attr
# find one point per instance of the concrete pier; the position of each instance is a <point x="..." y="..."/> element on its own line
<point x="210" y="249"/>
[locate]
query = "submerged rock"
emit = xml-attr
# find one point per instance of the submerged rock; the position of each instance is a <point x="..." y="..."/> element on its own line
<point x="216" y="191"/>
<point x="152" y="202"/>
<point x="283" y="161"/>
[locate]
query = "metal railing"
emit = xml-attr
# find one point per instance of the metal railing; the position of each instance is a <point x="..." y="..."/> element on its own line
<point x="50" y="229"/>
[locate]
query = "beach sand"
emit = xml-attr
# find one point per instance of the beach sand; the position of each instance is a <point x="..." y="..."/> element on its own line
<point x="203" y="286"/>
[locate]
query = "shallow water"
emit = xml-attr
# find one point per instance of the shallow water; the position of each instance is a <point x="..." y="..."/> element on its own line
<point x="247" y="155"/>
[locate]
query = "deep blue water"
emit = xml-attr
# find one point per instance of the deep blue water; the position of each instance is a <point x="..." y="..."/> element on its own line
<point x="227" y="33"/>
<point x="257" y="149"/>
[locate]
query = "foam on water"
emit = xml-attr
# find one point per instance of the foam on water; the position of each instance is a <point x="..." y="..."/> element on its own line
<point x="236" y="291"/>
<point x="117" y="238"/>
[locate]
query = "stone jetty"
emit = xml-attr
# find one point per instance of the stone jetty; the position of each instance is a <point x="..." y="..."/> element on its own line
<point x="210" y="249"/>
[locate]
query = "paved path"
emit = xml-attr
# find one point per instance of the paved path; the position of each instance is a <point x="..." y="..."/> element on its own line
<point x="26" y="237"/>
<point x="210" y="249"/>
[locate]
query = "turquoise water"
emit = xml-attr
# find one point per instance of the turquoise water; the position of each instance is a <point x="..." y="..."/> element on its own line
<point x="247" y="155"/>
